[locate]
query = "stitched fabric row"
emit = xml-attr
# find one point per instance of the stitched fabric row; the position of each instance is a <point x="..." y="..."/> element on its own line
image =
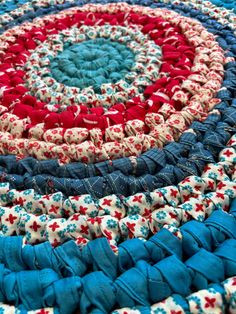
<point x="40" y="217"/>
<point x="201" y="265"/>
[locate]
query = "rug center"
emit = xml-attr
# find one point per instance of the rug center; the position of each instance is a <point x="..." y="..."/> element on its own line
<point x="92" y="63"/>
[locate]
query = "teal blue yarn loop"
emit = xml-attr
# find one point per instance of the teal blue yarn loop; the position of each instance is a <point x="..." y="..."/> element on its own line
<point x="228" y="4"/>
<point x="141" y="274"/>
<point x="92" y="63"/>
<point x="141" y="285"/>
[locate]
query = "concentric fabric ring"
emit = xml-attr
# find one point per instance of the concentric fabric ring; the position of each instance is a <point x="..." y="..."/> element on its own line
<point x="110" y="92"/>
<point x="198" y="93"/>
<point x="136" y="276"/>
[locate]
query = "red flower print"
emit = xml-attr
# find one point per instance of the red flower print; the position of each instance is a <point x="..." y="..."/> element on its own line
<point x="76" y="198"/>
<point x="35" y="226"/>
<point x="107" y="202"/>
<point x="20" y="201"/>
<point x="138" y="199"/>
<point x="228" y="153"/>
<point x="207" y="168"/>
<point x="47" y="197"/>
<point x="84" y="159"/>
<point x="53" y="209"/>
<point x="54" y="226"/>
<point x="221" y="172"/>
<point x="11" y="218"/>
<point x="108" y="234"/>
<point x="84" y="229"/>
<point x="199" y="207"/>
<point x="55" y="243"/>
<point x="198" y="187"/>
<point x="94" y="220"/>
<point x="211" y="185"/>
<point x="75" y="217"/>
<point x="81" y="240"/>
<point x="131" y="226"/>
<point x="210" y="302"/>
<point x="138" y="146"/>
<point x="221" y="185"/>
<point x="173" y="193"/>
<point x="42" y="311"/>
<point x="220" y="195"/>
<point x="186" y="198"/>
<point x="118" y="215"/>
<point x="187" y="180"/>
<point x="172" y="215"/>
<point x="147" y="212"/>
<point x="83" y="210"/>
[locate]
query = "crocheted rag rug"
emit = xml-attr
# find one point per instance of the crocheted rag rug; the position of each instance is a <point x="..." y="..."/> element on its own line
<point x="117" y="156"/>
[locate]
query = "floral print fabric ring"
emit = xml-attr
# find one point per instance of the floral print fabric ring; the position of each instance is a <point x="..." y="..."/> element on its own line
<point x="107" y="61"/>
<point x="169" y="105"/>
<point x="82" y="85"/>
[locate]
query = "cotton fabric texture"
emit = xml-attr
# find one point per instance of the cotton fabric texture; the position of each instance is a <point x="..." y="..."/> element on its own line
<point x="117" y="157"/>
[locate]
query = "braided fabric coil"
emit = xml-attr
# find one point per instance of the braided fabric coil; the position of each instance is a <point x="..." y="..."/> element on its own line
<point x="117" y="156"/>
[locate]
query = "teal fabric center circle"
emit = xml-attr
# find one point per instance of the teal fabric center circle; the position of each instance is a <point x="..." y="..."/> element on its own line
<point x="92" y="63"/>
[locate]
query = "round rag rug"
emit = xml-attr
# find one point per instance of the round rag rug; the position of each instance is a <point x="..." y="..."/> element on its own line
<point x="117" y="157"/>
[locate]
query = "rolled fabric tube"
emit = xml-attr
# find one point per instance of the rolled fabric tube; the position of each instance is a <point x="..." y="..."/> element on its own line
<point x="69" y="260"/>
<point x="226" y="259"/>
<point x="116" y="216"/>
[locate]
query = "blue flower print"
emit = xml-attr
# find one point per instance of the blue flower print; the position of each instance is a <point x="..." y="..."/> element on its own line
<point x="11" y="195"/>
<point x="197" y="301"/>
<point x="94" y="213"/>
<point x="161" y="215"/>
<point x="4" y="229"/>
<point x="144" y="230"/>
<point x="159" y="311"/>
<point x="4" y="198"/>
<point x="163" y="191"/>
<point x="124" y="228"/>
<point x="57" y="197"/>
<point x="73" y="206"/>
<point x="18" y="209"/>
<point x="2" y="310"/>
<point x="29" y="206"/>
<point x="88" y="199"/>
<point x="37" y="196"/>
<point x="112" y="224"/>
<point x="27" y="192"/>
<point x="43" y="234"/>
<point x="230" y="193"/>
<point x="187" y="207"/>
<point x="134" y="210"/>
<point x="3" y="184"/>
<point x="61" y="233"/>
<point x="212" y="175"/>
<point x="71" y="228"/>
<point x="200" y="218"/>
<point x="134" y="217"/>
<point x="118" y="204"/>
<point x="187" y="188"/>
<point x="28" y="236"/>
<point x="198" y="179"/>
<point x="43" y="218"/>
<point x="2" y="211"/>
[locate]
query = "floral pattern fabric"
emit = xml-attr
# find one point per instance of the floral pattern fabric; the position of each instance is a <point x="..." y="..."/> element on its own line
<point x="117" y="157"/>
<point x="150" y="122"/>
<point x="56" y="218"/>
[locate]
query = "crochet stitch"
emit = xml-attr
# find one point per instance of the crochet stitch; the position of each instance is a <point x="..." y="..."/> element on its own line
<point x="117" y="156"/>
